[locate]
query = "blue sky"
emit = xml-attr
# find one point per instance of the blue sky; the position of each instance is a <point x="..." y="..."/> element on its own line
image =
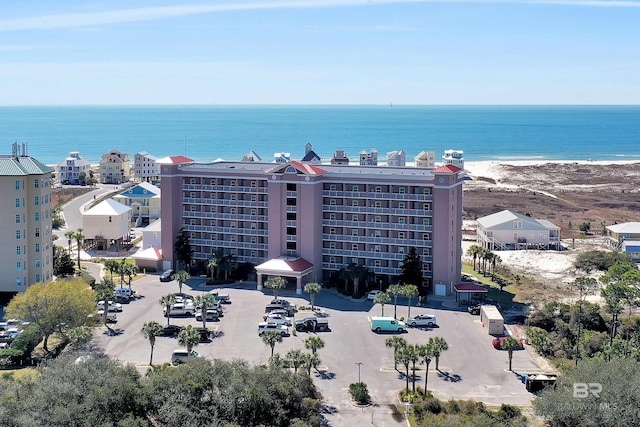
<point x="320" y="52"/>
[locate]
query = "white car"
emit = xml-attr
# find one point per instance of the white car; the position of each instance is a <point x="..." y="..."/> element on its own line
<point x="266" y="326"/>
<point x="373" y="294"/>
<point x="279" y="319"/>
<point x="113" y="306"/>
<point x="422" y="320"/>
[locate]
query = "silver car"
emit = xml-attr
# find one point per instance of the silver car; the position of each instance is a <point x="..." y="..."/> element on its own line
<point x="422" y="320"/>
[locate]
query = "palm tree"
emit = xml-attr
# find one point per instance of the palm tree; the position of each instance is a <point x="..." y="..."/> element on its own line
<point x="474" y="251"/>
<point x="311" y="360"/>
<point x="130" y="271"/>
<point x="226" y="264"/>
<point x="295" y="358"/>
<point x="382" y="299"/>
<point x="271" y="338"/>
<point x="344" y="275"/>
<point x="410" y="291"/>
<point x="405" y="356"/>
<point x="112" y="265"/>
<point x="395" y="290"/>
<point x="275" y="283"/>
<point x="495" y="260"/>
<point x="396" y="343"/>
<point x="414" y="357"/>
<point x="439" y="345"/>
<point x="189" y="337"/>
<point x="426" y="354"/>
<point x="312" y="289"/>
<point x="151" y="330"/>
<point x="204" y="301"/>
<point x="357" y="273"/>
<point x="70" y="235"/>
<point x="214" y="261"/>
<point x="510" y="344"/>
<point x="167" y="302"/>
<point x="182" y="277"/>
<point x="585" y="286"/>
<point x="314" y="344"/>
<point x="79" y="238"/>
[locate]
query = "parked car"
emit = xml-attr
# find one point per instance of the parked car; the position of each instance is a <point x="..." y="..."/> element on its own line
<point x="113" y="306"/>
<point x="170" y="331"/>
<point x="290" y="312"/>
<point x="111" y="316"/>
<point x="284" y="303"/>
<point x="180" y="355"/>
<point x="125" y="292"/>
<point x="422" y="320"/>
<point x="474" y="309"/>
<point x="211" y="314"/>
<point x="312" y="324"/>
<point x="180" y="309"/>
<point x="167" y="275"/>
<point x="205" y="334"/>
<point x="497" y="343"/>
<point x="279" y="318"/>
<point x="373" y="294"/>
<point x="266" y="326"/>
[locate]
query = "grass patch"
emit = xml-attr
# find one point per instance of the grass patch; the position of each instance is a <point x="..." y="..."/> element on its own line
<point x="18" y="374"/>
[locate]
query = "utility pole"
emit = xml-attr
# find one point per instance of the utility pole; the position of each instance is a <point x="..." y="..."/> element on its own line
<point x="359" y="365"/>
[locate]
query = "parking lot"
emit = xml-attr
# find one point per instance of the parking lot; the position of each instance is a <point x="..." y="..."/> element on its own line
<point x="470" y="369"/>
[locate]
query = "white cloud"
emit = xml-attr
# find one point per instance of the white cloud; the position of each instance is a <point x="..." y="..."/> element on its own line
<point x="72" y="20"/>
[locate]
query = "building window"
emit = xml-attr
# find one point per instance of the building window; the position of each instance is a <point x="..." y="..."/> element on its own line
<point x="17" y="188"/>
<point x="427" y="191"/>
<point x="354" y="217"/>
<point x="332" y="202"/>
<point x="354" y="232"/>
<point x="254" y="239"/>
<point x="402" y="220"/>
<point x="378" y="189"/>
<point x="332" y="245"/>
<point x="401" y="205"/>
<point x="401" y="250"/>
<point x="253" y="198"/>
<point x="426" y="206"/>
<point x="254" y="212"/>
<point x="332" y="231"/>
<point x="233" y="211"/>
<point x="426" y="221"/>
<point x="377" y="248"/>
<point x="212" y="209"/>
<point x="192" y="195"/>
<point x="36" y="183"/>
<point x="291" y="201"/>
<point x="18" y="234"/>
<point x="233" y="183"/>
<point x="110" y="219"/>
<point x="332" y="187"/>
<point x="18" y="250"/>
<point x="354" y="203"/>
<point x="376" y="263"/>
<point x="254" y="184"/>
<point x="38" y="278"/>
<point x="17" y="218"/>
<point x="193" y="181"/>
<point x="355" y="188"/>
<point x="377" y="218"/>
<point x="254" y="254"/>
<point x="233" y="197"/>
<point x="378" y="204"/>
<point x="232" y="237"/>
<point x="192" y="208"/>
<point x="36" y="216"/>
<point x="254" y="226"/>
<point x="17" y="203"/>
<point x="37" y="262"/>
<point x="426" y="236"/>
<point x="19" y="266"/>
<point x="401" y="235"/>
<point x="37" y="248"/>
<point x="192" y="222"/>
<point x="426" y="252"/>
<point x="291" y="231"/>
<point x="354" y="247"/>
<point x="18" y="282"/>
<point x="332" y="216"/>
<point x="401" y="190"/>
<point x="377" y="233"/>
<point x="517" y="225"/>
<point x="291" y="187"/>
<point x="332" y="260"/>
<point x="232" y="224"/>
<point x="291" y="246"/>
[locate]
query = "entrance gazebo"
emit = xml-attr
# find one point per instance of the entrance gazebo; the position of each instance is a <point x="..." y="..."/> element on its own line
<point x="285" y="267"/>
<point x="466" y="291"/>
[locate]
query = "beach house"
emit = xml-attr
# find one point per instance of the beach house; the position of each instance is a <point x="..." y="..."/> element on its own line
<point x="106" y="225"/>
<point x="625" y="237"/>
<point x="506" y="230"/>
<point x="317" y="218"/>
<point x="144" y="200"/>
<point x="146" y="168"/>
<point x="73" y="170"/>
<point x="115" y="167"/>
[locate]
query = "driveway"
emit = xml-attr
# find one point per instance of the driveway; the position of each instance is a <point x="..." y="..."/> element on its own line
<point x="470" y="369"/>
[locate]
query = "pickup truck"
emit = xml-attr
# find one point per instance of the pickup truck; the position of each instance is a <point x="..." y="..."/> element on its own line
<point x="180" y="309"/>
<point x="266" y="326"/>
<point x="222" y="298"/>
<point x="312" y="324"/>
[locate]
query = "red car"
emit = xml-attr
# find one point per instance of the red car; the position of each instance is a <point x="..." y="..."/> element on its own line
<point x="497" y="343"/>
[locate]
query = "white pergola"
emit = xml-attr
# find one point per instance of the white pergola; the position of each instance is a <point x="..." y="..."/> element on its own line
<point x="285" y="267"/>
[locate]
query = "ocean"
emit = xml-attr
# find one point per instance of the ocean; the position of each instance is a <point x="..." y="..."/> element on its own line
<point x="206" y="133"/>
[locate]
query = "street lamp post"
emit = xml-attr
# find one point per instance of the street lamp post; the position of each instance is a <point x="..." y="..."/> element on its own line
<point x="359" y="364"/>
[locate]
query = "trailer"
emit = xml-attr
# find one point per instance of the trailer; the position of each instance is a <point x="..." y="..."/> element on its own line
<point x="491" y="319"/>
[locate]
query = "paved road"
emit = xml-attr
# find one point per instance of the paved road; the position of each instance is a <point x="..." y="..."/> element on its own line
<point x="470" y="369"/>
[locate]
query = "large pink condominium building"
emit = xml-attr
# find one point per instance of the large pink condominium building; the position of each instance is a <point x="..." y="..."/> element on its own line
<point x="308" y="221"/>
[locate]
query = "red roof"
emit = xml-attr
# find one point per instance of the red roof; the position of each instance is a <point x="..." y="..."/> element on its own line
<point x="447" y="169"/>
<point x="180" y="159"/>
<point x="470" y="287"/>
<point x="299" y="265"/>
<point x="308" y="168"/>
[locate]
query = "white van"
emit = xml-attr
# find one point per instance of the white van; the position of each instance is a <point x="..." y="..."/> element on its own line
<point x="178" y="356"/>
<point x="387" y="324"/>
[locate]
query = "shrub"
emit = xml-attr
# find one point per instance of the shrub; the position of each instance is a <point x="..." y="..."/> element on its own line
<point x="509" y="412"/>
<point x="359" y="392"/>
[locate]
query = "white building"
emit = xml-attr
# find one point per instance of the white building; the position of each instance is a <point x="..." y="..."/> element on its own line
<point x="106" y="223"/>
<point x="71" y="169"/>
<point x="152" y="235"/>
<point x="396" y="158"/>
<point x="146" y="168"/>
<point x="369" y="159"/>
<point x="425" y="159"/>
<point x="144" y="200"/>
<point x="507" y="230"/>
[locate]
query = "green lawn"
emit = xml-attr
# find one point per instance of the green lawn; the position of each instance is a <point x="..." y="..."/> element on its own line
<point x="505" y="297"/>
